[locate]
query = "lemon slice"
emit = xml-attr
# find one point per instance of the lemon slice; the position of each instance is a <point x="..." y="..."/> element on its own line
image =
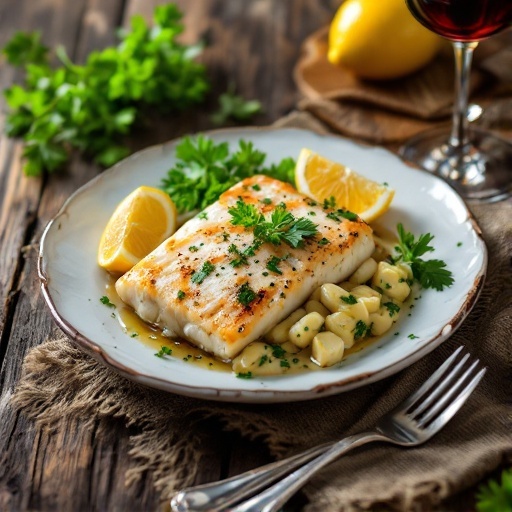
<point x="320" y="178"/>
<point x="142" y="221"/>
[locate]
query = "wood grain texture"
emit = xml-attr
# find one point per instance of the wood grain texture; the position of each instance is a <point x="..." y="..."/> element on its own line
<point x="252" y="44"/>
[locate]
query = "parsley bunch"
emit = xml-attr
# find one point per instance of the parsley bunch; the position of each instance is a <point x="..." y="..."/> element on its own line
<point x="429" y="273"/>
<point x="92" y="107"/>
<point x="204" y="170"/>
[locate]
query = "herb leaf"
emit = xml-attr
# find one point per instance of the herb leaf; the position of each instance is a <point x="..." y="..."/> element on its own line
<point x="360" y="330"/>
<point x="495" y="496"/>
<point x="349" y="299"/>
<point x="232" y="106"/>
<point x="392" y="308"/>
<point x="429" y="273"/>
<point x="164" y="351"/>
<point x="105" y="300"/>
<point x="201" y="275"/>
<point x="246" y="294"/>
<point x="243" y="375"/>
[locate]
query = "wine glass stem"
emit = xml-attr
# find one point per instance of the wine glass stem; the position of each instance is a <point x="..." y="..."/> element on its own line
<point x="463" y="58"/>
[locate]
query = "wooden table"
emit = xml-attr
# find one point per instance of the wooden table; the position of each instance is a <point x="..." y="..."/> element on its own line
<point x="252" y="44"/>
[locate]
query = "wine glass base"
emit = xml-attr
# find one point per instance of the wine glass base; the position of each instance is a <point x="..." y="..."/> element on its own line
<point x="480" y="170"/>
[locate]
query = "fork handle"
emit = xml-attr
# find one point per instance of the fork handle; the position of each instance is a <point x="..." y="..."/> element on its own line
<point x="273" y="498"/>
<point x="218" y="496"/>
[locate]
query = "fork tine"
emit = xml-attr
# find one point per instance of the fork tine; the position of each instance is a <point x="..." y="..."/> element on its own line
<point x="452" y="409"/>
<point x="427" y="385"/>
<point x="447" y="379"/>
<point x="447" y="397"/>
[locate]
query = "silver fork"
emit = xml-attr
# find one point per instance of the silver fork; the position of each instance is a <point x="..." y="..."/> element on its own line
<point x="411" y="423"/>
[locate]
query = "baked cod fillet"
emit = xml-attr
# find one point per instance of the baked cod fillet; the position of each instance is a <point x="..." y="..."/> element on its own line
<point x="193" y="286"/>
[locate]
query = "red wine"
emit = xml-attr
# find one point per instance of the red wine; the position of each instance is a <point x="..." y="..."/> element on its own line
<point x="463" y="20"/>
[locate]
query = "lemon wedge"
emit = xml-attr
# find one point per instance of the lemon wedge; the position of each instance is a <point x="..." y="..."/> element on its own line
<point x="142" y="221"/>
<point x="379" y="39"/>
<point x="320" y="178"/>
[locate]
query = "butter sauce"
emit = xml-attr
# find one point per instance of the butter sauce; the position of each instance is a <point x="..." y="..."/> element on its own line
<point x="134" y="327"/>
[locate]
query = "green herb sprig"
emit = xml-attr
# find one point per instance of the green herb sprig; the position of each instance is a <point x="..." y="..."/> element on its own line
<point x="205" y="169"/>
<point x="280" y="227"/>
<point x="429" y="273"/>
<point x="494" y="496"/>
<point x="92" y="107"/>
<point x="233" y="106"/>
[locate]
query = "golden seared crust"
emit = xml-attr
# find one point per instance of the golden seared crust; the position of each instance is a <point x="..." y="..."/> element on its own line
<point x="162" y="290"/>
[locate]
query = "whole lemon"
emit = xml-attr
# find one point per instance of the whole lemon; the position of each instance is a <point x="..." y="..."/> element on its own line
<point x="379" y="39"/>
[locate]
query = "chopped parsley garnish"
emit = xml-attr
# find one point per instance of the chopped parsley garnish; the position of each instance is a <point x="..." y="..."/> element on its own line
<point x="340" y="214"/>
<point x="360" y="330"/>
<point x="412" y="336"/>
<point x="240" y="260"/>
<point x="181" y="295"/>
<point x="242" y="256"/>
<point x="459" y="244"/>
<point x="329" y="203"/>
<point x="263" y="360"/>
<point x="206" y="270"/>
<point x="105" y="300"/>
<point x="256" y="187"/>
<point x="242" y="375"/>
<point x="266" y="201"/>
<point x="134" y="334"/>
<point x="323" y="241"/>
<point x="429" y="273"/>
<point x="349" y="299"/>
<point x="284" y="363"/>
<point x="281" y="226"/>
<point x="392" y="308"/>
<point x="246" y="294"/>
<point x="203" y="216"/>
<point x="164" y="351"/>
<point x="277" y="351"/>
<point x="193" y="248"/>
<point x="272" y="264"/>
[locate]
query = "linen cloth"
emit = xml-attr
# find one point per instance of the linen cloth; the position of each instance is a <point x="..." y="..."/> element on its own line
<point x="59" y="381"/>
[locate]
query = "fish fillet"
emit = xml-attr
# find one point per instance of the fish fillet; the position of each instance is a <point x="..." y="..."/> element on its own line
<point x="162" y="289"/>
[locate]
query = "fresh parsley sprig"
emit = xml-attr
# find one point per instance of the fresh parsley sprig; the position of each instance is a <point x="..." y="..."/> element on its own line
<point x="429" y="273"/>
<point x="205" y="169"/>
<point x="233" y="106"/>
<point x="280" y="227"/>
<point x="495" y="496"/>
<point x="92" y="107"/>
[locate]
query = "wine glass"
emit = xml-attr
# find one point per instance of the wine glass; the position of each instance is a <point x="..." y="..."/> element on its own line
<point x="476" y="163"/>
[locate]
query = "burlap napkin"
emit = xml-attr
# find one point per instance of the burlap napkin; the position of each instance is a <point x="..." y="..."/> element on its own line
<point x="59" y="381"/>
<point x="394" y="110"/>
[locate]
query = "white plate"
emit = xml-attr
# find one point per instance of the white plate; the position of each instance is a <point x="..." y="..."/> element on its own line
<point x="72" y="283"/>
